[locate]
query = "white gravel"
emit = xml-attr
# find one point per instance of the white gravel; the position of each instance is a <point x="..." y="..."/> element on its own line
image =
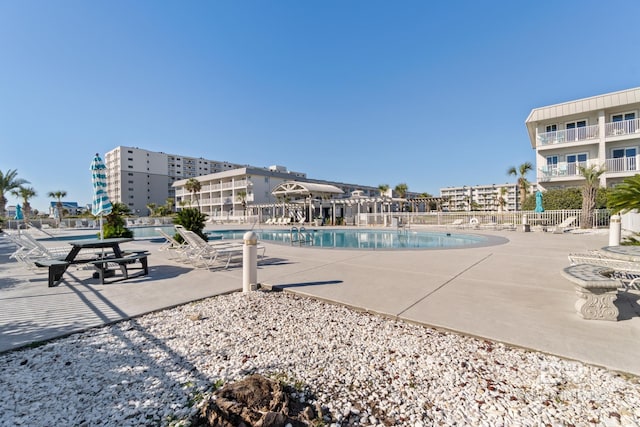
<point x="362" y="369"/>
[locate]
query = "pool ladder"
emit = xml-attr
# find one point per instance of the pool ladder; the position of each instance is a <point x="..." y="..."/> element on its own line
<point x="301" y="236"/>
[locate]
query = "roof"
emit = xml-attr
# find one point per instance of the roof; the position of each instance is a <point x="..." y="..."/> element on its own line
<point x="598" y="102"/>
<point x="305" y="189"/>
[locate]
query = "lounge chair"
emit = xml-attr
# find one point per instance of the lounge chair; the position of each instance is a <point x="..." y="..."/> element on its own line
<point x="457" y="223"/>
<point x="201" y="253"/>
<point x="171" y="244"/>
<point x="564" y="225"/>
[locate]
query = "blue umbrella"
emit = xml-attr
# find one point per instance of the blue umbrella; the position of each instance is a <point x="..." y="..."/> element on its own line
<point x="101" y="204"/>
<point x="539" y="207"/>
<point x="19" y="216"/>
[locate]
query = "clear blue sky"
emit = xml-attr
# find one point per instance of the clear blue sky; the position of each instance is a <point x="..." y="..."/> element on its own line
<point x="431" y="94"/>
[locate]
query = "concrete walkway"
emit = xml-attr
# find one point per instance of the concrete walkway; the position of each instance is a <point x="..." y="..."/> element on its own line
<point x="510" y="292"/>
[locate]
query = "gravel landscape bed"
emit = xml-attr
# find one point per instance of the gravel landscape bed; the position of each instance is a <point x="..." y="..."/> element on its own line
<point x="360" y="368"/>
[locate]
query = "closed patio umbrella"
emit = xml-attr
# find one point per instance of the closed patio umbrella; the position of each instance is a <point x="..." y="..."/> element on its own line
<point x="101" y="204"/>
<point x="19" y="217"/>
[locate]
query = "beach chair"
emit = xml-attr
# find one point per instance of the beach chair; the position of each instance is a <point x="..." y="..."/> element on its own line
<point x="203" y="254"/>
<point x="564" y="225"/>
<point x="458" y="223"/>
<point x="171" y="245"/>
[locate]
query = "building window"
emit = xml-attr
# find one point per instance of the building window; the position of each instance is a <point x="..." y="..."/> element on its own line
<point x="552" y="166"/>
<point x="623" y="116"/>
<point x="576" y="130"/>
<point x="574" y="161"/>
<point x="551" y="128"/>
<point x="623" y="159"/>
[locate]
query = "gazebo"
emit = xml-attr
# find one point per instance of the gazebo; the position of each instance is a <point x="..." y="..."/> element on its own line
<point x="305" y="191"/>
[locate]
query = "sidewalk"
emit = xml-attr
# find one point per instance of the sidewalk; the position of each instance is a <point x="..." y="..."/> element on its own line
<point x="511" y="293"/>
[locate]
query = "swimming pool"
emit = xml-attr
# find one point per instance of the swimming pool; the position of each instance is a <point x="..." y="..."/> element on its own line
<point x="144" y="232"/>
<point x="368" y="238"/>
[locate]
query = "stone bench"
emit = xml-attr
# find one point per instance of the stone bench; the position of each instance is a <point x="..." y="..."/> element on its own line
<point x="124" y="263"/>
<point x="596" y="290"/>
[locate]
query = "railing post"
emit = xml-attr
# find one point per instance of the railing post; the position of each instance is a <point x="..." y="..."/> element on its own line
<point x="250" y="262"/>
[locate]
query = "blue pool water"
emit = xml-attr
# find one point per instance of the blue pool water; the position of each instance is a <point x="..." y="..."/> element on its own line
<point x="365" y="239"/>
<point x="138" y="233"/>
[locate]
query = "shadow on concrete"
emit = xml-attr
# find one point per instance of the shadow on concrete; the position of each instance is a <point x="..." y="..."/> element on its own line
<point x="302" y="285"/>
<point x="628" y="305"/>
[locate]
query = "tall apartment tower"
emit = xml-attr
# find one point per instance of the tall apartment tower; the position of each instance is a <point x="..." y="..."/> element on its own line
<point x="602" y="130"/>
<point x="138" y="177"/>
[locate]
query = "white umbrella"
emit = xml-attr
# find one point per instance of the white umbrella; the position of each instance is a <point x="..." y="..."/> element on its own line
<point x="101" y="204"/>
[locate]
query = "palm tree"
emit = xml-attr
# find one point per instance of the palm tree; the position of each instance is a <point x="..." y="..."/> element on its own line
<point x="58" y="195"/>
<point x="401" y="190"/>
<point x="383" y="188"/>
<point x="153" y="207"/>
<point x="502" y="199"/>
<point x="193" y="186"/>
<point x="523" y="184"/>
<point x="25" y="193"/>
<point x="591" y="176"/>
<point x="242" y="196"/>
<point x="8" y="182"/>
<point x="625" y="197"/>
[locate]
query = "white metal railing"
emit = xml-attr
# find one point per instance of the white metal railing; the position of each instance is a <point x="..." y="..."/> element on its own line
<point x="563" y="169"/>
<point x="623" y="164"/>
<point x="624" y="127"/>
<point x="546" y="218"/>
<point x="568" y="135"/>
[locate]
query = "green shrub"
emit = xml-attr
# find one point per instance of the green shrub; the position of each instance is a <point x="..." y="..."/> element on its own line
<point x="193" y="220"/>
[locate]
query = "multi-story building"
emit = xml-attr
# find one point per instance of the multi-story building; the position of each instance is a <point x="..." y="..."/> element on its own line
<point x="138" y="177"/>
<point x="480" y="197"/>
<point x="603" y="130"/>
<point x="228" y="193"/>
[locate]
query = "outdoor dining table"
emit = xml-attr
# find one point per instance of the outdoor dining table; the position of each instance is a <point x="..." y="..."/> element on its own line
<point x="110" y="250"/>
<point x="112" y="244"/>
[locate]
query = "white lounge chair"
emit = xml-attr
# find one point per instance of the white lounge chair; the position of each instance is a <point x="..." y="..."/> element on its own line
<point x="457" y="223"/>
<point x="171" y="245"/>
<point x="564" y="225"/>
<point x="201" y="253"/>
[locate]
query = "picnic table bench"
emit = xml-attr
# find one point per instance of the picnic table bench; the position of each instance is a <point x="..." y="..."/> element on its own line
<point x="57" y="267"/>
<point x="125" y="264"/>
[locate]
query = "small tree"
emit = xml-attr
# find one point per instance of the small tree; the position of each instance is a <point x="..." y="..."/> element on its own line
<point x="401" y="190"/>
<point x="58" y="195"/>
<point x="191" y="219"/>
<point x="523" y="184"/>
<point x="625" y="197"/>
<point x="115" y="225"/>
<point x="193" y="186"/>
<point x="8" y="182"/>
<point x="25" y="193"/>
<point x="591" y="176"/>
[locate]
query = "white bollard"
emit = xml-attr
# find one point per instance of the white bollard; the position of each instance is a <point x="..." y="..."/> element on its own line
<point x="525" y="224"/>
<point x="250" y="262"/>
<point x="615" y="228"/>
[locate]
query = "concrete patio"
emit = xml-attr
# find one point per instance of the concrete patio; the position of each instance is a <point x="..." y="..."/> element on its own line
<point x="511" y="292"/>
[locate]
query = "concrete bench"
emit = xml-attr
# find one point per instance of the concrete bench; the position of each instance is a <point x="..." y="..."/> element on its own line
<point x="56" y="267"/>
<point x="596" y="290"/>
<point x="124" y="263"/>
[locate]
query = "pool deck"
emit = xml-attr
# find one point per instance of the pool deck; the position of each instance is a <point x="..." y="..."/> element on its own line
<point x="512" y="292"/>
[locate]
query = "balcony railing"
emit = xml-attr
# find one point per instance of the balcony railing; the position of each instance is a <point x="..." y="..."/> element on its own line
<point x="568" y="135"/>
<point x="562" y="169"/>
<point x="623" y="164"/>
<point x="624" y="127"/>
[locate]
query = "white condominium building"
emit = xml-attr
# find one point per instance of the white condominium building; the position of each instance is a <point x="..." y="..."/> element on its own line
<point x="480" y="197"/>
<point x="228" y="193"/>
<point x="603" y="130"/>
<point x="138" y="177"/>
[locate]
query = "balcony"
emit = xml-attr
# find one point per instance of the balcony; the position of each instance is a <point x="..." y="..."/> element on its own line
<point x="623" y="164"/>
<point x="568" y="135"/>
<point x="625" y="127"/>
<point x="562" y="171"/>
